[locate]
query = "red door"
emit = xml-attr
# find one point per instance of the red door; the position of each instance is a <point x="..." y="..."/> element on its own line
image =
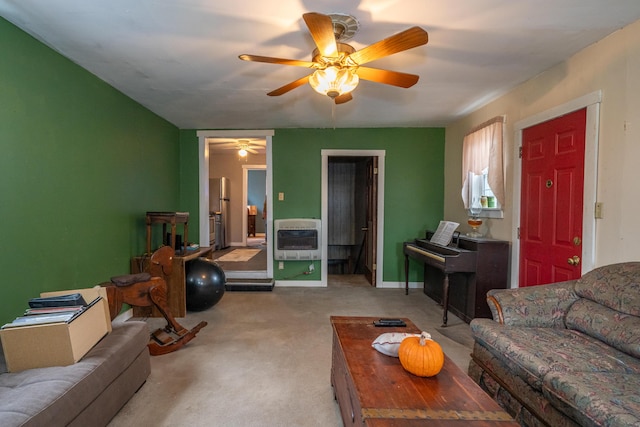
<point x="552" y="200"/>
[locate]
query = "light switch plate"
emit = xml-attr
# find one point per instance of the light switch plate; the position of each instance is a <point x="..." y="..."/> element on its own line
<point x="598" y="210"/>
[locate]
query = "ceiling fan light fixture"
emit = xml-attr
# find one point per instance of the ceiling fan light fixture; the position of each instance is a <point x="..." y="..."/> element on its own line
<point x="334" y="81"/>
<point x="242" y="152"/>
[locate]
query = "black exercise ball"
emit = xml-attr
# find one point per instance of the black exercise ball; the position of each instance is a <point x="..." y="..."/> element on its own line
<point x="205" y="284"/>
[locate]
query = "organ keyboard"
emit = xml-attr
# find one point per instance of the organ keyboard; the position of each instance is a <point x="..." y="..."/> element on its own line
<point x="471" y="267"/>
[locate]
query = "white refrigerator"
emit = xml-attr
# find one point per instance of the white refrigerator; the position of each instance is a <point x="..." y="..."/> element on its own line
<point x="219" y="206"/>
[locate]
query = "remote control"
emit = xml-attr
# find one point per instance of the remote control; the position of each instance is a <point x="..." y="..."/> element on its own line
<point x="389" y="322"/>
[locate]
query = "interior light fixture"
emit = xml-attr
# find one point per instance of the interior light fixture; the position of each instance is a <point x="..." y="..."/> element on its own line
<point x="242" y="152"/>
<point x="334" y="81"/>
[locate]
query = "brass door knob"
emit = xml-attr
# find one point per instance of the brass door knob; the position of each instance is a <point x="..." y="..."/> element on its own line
<point x="574" y="260"/>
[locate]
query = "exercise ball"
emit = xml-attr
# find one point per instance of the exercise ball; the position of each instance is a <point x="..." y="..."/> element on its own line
<point x="205" y="284"/>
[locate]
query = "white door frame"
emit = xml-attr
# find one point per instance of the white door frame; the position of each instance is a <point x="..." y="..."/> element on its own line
<point x="380" y="154"/>
<point x="203" y="153"/>
<point x="592" y="103"/>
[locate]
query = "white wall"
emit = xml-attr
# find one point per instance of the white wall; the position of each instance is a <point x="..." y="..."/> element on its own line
<point x="611" y="66"/>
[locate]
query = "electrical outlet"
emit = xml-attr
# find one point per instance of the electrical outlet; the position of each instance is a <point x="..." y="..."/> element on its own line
<point x="281" y="196"/>
<point x="281" y="265"/>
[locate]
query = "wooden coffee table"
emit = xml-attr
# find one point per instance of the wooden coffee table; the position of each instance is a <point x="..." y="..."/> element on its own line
<point x="374" y="390"/>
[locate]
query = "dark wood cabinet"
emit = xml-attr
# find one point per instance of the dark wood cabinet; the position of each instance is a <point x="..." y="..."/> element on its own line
<point x="468" y="291"/>
<point x="251" y="225"/>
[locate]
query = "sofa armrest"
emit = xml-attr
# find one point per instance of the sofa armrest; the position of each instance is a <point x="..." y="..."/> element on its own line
<point x="535" y="306"/>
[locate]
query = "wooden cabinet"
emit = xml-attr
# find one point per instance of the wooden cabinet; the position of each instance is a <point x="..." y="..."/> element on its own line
<point x="251" y="225"/>
<point x="468" y="291"/>
<point x="176" y="283"/>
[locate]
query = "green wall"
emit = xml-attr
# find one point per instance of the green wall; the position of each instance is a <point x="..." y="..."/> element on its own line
<point x="81" y="164"/>
<point x="190" y="181"/>
<point x="414" y="182"/>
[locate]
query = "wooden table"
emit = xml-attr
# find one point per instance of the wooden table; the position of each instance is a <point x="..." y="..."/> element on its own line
<point x="374" y="390"/>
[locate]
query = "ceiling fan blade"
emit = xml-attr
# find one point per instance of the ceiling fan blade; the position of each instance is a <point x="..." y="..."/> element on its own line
<point x="279" y="61"/>
<point x="321" y="29"/>
<point x="387" y="77"/>
<point x="407" y="39"/>
<point x="290" y="86"/>
<point x="343" y="98"/>
<point x="251" y="150"/>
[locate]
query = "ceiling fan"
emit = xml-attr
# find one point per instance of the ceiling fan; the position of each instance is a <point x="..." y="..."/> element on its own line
<point x="243" y="146"/>
<point x="338" y="66"/>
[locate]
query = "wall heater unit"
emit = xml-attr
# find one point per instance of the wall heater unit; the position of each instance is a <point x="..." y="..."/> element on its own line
<point x="297" y="239"/>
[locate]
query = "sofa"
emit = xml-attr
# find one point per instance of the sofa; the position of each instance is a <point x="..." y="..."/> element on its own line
<point x="564" y="354"/>
<point x="87" y="393"/>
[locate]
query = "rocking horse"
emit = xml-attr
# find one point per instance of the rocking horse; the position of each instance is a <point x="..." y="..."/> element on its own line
<point x="149" y="289"/>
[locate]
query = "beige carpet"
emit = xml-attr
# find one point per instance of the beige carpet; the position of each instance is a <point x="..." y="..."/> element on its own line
<point x="458" y="333"/>
<point x="238" y="255"/>
<point x="265" y="357"/>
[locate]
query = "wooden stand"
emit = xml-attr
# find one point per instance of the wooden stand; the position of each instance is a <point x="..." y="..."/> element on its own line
<point x="165" y="218"/>
<point x="374" y="390"/>
<point x="176" y="283"/>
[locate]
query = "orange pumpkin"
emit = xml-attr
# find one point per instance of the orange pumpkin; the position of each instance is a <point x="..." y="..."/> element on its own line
<point x="421" y="355"/>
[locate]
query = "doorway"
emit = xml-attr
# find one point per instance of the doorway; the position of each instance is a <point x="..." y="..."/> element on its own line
<point x="254" y="193"/>
<point x="347" y="219"/>
<point x="239" y="200"/>
<point x="352" y="217"/>
<point x="592" y="104"/>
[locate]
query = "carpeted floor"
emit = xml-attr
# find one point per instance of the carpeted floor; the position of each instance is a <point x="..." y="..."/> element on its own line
<point x="265" y="357"/>
<point x="458" y="333"/>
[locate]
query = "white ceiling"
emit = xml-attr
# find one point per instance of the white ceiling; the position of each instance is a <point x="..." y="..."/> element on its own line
<point x="179" y="58"/>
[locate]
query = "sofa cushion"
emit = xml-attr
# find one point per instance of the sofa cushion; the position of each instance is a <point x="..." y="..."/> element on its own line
<point x="596" y="398"/>
<point x="619" y="330"/>
<point x="533" y="352"/>
<point x="616" y="286"/>
<point x="55" y="395"/>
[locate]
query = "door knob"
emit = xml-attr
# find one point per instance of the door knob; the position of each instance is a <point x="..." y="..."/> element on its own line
<point x="574" y="260"/>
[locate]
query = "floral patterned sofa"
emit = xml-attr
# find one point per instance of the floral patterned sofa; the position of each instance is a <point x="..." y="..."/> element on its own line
<point x="564" y="354"/>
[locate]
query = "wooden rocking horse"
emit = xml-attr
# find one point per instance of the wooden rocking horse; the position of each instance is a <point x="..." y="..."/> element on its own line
<point x="147" y="290"/>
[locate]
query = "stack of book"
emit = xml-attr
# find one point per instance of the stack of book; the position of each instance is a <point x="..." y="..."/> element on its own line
<point x="63" y="308"/>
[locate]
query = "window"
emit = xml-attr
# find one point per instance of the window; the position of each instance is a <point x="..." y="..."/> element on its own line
<point x="482" y="173"/>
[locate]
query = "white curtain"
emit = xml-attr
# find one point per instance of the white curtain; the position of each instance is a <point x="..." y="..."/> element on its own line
<point x="482" y="148"/>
